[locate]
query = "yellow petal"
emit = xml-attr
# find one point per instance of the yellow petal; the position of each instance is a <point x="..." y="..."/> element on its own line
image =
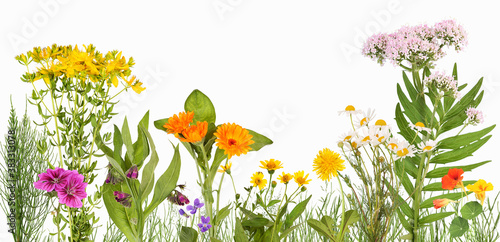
<point x="115" y="81"/>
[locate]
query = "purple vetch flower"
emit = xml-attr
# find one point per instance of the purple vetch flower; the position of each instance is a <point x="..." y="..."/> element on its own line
<point x="52" y="179"/>
<point x="122" y="198"/>
<point x="73" y="191"/>
<point x="474" y="116"/>
<point x="178" y="198"/>
<point x="133" y="172"/>
<point x="193" y="208"/>
<point x="183" y="213"/>
<point x="204" y="225"/>
<point x="113" y="176"/>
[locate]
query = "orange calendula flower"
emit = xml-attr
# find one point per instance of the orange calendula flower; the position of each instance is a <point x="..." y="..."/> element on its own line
<point x="439" y="203"/>
<point x="194" y="133"/>
<point x="327" y="163"/>
<point x="176" y="124"/>
<point x="453" y="179"/>
<point x="271" y="165"/>
<point x="480" y="188"/>
<point x="300" y="179"/>
<point x="258" y="180"/>
<point x="226" y="168"/>
<point x="233" y="139"/>
<point x="285" y="177"/>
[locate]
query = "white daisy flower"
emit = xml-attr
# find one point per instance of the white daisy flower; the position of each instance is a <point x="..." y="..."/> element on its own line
<point x="392" y="144"/>
<point x="346" y="137"/>
<point x="404" y="150"/>
<point x="419" y="126"/>
<point x="378" y="135"/>
<point x="365" y="118"/>
<point x="428" y="146"/>
<point x="349" y="110"/>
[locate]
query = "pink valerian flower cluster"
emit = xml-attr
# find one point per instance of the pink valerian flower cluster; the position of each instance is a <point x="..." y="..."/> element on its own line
<point x="474" y="116"/>
<point x="68" y="184"/>
<point x="445" y="84"/>
<point x="416" y="44"/>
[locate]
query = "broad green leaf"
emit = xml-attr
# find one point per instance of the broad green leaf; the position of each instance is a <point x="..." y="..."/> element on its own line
<point x="260" y="140"/>
<point x="405" y="208"/>
<point x="452" y="196"/>
<point x="434" y="217"/>
<point x="438" y="186"/>
<point x="201" y="105"/>
<point x="222" y="214"/>
<point x="404" y="127"/>
<point x="465" y="101"/>
<point x="287" y="231"/>
<point x="406" y="237"/>
<point x="159" y="124"/>
<point x="296" y="212"/>
<point x="218" y="158"/>
<point x="127" y="140"/>
<point x="328" y="221"/>
<point x="248" y="213"/>
<point x="148" y="177"/>
<point x="471" y="210"/>
<point x="321" y="228"/>
<point x="409" y="87"/>
<point x="404" y="221"/>
<point x="351" y="217"/>
<point x="458" y="227"/>
<point x="459" y="154"/>
<point x="239" y="233"/>
<point x="117" y="145"/>
<point x="442" y="171"/>
<point x="141" y="147"/>
<point x="117" y="166"/>
<point x="410" y="109"/>
<point x="256" y="222"/>
<point x="273" y="202"/>
<point x="188" y="234"/>
<point x="456" y="142"/>
<point x="117" y="212"/>
<point x="403" y="177"/>
<point x="166" y="183"/>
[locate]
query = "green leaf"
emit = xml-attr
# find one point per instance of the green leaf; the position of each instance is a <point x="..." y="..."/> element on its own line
<point x="148" y="176"/>
<point x="256" y="222"/>
<point x="117" y="212"/>
<point x="273" y="202"/>
<point x="409" y="87"/>
<point x="117" y="145"/>
<point x="260" y="140"/>
<point x="465" y="101"/>
<point x="287" y="231"/>
<point x="296" y="212"/>
<point x="437" y="186"/>
<point x="351" y="217"/>
<point x="222" y="214"/>
<point x="218" y="158"/>
<point x="456" y="142"/>
<point x="410" y="109"/>
<point x="406" y="237"/>
<point x="405" y="208"/>
<point x="404" y="127"/>
<point x="188" y="234"/>
<point x="239" y="233"/>
<point x="201" y="105"/>
<point x="459" y="154"/>
<point x="127" y="140"/>
<point x="321" y="228"/>
<point x="166" y="183"/>
<point x="471" y="210"/>
<point x="403" y="177"/>
<point x="159" y="124"/>
<point x="404" y="221"/>
<point x="458" y="227"/>
<point x="440" y="172"/>
<point x="141" y="147"/>
<point x="434" y="217"/>
<point x="452" y="196"/>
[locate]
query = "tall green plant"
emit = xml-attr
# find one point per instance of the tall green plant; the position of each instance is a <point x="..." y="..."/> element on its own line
<point x="24" y="153"/>
<point x="126" y="200"/>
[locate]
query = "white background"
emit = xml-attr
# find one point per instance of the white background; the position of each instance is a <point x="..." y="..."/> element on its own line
<point x="282" y="68"/>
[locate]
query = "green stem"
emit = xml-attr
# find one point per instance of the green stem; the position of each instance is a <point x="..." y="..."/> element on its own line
<point x="210" y="180"/>
<point x="277" y="214"/>
<point x="340" y="236"/>
<point x="57" y="129"/>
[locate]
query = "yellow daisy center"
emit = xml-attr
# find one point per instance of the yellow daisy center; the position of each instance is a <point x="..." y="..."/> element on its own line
<point x="350" y="108"/>
<point x="363" y="121"/>
<point x="366" y="138"/>
<point x="393" y="146"/>
<point x="347" y="138"/>
<point x="380" y="122"/>
<point x="403" y="152"/>
<point x="420" y="124"/>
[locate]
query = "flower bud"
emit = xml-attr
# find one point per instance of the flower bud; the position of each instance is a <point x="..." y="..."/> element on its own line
<point x="381" y="159"/>
<point x="303" y="189"/>
<point x="122" y="198"/>
<point x="133" y="172"/>
<point x="273" y="184"/>
<point x="237" y="196"/>
<point x="340" y="144"/>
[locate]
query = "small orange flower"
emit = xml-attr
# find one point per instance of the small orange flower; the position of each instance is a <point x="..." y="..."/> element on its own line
<point x="176" y="124"/>
<point x="194" y="133"/>
<point x="300" y="179"/>
<point x="233" y="139"/>
<point x="453" y="179"/>
<point x="438" y="203"/>
<point x="271" y="165"/>
<point x="225" y="168"/>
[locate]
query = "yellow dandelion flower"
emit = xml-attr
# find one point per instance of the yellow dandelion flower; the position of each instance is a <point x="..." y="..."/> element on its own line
<point x="233" y="139"/>
<point x="300" y="179"/>
<point x="285" y="177"/>
<point x="258" y="180"/>
<point x="327" y="163"/>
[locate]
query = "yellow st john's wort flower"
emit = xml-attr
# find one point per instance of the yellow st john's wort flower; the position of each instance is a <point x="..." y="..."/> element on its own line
<point x="225" y="168"/>
<point x="300" y="179"/>
<point x="480" y="188"/>
<point x="258" y="180"/>
<point x="327" y="163"/>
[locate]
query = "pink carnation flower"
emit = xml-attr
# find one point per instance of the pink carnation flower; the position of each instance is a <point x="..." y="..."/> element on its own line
<point x="52" y="179"/>
<point x="73" y="192"/>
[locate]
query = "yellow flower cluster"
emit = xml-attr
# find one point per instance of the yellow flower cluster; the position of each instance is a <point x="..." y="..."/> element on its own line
<point x="65" y="62"/>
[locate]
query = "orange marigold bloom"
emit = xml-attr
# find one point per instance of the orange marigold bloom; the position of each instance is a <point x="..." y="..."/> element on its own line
<point x="233" y="139"/>
<point x="438" y="203"/>
<point x="452" y="179"/>
<point x="176" y="124"/>
<point x="194" y="133"/>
